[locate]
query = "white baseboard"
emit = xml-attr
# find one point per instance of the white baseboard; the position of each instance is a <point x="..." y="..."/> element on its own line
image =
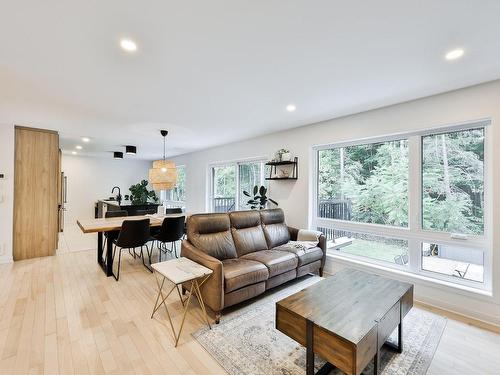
<point x="4" y="260"/>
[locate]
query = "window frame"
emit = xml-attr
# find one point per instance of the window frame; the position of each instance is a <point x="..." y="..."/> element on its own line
<point x="414" y="233"/>
<point x="167" y="198"/>
<point x="209" y="204"/>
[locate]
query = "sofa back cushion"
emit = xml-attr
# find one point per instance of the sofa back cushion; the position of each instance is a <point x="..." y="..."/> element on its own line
<point x="248" y="235"/>
<point x="211" y="233"/>
<point x="275" y="229"/>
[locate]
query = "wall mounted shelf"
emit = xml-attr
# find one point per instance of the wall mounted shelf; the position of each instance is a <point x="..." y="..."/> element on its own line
<point x="291" y="164"/>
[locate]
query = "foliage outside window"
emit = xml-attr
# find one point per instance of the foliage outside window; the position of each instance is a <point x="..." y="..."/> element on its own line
<point x="371" y="203"/>
<point x="453" y="182"/>
<point x="370" y="180"/>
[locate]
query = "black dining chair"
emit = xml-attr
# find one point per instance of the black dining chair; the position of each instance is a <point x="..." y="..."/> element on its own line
<point x="112" y="235"/>
<point x="176" y="210"/>
<point x="171" y="231"/>
<point x="133" y="234"/>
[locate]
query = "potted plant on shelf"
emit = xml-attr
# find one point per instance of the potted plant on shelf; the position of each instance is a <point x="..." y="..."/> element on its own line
<point x="283" y="155"/>
<point x="139" y="193"/>
<point x="259" y="199"/>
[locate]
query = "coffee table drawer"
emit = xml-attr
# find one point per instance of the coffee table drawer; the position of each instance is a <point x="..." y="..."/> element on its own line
<point x="335" y="350"/>
<point x="290" y="324"/>
<point x="388" y="323"/>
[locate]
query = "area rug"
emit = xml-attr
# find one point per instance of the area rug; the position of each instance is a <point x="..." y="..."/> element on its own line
<point x="246" y="341"/>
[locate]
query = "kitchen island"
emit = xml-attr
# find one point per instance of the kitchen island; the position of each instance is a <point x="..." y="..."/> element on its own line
<point x="104" y="205"/>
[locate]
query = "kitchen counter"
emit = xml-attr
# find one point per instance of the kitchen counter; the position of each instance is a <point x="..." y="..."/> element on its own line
<point x="104" y="205"/>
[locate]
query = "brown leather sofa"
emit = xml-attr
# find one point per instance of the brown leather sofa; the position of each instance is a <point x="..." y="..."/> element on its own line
<point x="247" y="252"/>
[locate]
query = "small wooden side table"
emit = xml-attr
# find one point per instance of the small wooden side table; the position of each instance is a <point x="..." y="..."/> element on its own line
<point x="179" y="271"/>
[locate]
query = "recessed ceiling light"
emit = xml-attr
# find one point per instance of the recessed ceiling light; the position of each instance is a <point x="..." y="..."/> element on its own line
<point x="74" y="152"/>
<point x="128" y="45"/>
<point x="85" y="139"/>
<point x="78" y="147"/>
<point x="291" y="107"/>
<point x="455" y="54"/>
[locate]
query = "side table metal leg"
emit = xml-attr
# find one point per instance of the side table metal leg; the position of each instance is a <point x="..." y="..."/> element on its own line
<point x="158" y="296"/>
<point x="186" y="306"/>
<point x="180" y="296"/>
<point x="202" y="304"/>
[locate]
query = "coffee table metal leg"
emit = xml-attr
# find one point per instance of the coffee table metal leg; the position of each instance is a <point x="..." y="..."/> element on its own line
<point x="399" y="346"/>
<point x="376" y="363"/>
<point x="309" y="348"/>
<point x="327" y="367"/>
<point x="400" y="337"/>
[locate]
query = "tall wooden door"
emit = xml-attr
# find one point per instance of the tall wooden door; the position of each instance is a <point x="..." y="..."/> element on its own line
<point x="36" y="174"/>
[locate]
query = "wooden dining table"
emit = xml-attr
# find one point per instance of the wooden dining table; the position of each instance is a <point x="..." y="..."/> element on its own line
<point x="103" y="225"/>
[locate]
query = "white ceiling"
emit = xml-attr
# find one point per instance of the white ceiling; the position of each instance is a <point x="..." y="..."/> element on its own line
<point x="217" y="71"/>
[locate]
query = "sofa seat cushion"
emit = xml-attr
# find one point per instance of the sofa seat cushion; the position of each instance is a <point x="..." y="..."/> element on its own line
<point x="242" y="272"/>
<point x="305" y="254"/>
<point x="277" y="262"/>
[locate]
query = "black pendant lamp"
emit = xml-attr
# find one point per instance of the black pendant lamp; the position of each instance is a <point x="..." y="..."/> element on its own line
<point x="131" y="150"/>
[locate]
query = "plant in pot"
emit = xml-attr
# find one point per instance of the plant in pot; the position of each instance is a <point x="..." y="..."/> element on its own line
<point x="139" y="193"/>
<point x="283" y="155"/>
<point x="259" y="198"/>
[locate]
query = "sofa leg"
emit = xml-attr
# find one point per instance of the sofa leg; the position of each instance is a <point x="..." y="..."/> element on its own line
<point x="321" y="272"/>
<point x="217" y="317"/>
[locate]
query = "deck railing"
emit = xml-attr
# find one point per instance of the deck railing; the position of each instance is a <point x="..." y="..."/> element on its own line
<point x="335" y="209"/>
<point x="328" y="209"/>
<point x="224" y="204"/>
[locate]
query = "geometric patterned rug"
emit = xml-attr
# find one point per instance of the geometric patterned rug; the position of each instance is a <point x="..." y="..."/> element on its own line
<point x="246" y="341"/>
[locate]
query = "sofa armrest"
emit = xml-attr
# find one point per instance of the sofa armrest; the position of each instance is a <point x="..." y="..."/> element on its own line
<point x="321" y="244"/>
<point x="293" y="233"/>
<point x="213" y="289"/>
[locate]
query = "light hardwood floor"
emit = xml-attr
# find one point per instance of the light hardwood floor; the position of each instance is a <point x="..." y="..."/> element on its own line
<point x="61" y="315"/>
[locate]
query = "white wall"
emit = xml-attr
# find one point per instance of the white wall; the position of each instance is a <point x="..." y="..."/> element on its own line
<point x="6" y="191"/>
<point x="478" y="102"/>
<point x="92" y="178"/>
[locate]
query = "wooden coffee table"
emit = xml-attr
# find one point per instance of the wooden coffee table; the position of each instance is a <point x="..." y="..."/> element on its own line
<point x="346" y="319"/>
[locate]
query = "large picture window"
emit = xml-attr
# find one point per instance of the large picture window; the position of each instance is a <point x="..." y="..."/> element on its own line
<point x="414" y="202"/>
<point x="366" y="183"/>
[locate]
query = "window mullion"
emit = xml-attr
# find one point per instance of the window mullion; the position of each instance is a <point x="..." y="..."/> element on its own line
<point x="237" y="192"/>
<point x="414" y="200"/>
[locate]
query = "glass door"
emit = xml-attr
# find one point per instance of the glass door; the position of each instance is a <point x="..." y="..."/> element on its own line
<point x="228" y="181"/>
<point x="223" y="197"/>
<point x="250" y="174"/>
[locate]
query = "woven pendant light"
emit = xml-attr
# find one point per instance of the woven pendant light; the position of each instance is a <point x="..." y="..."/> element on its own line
<point x="163" y="175"/>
